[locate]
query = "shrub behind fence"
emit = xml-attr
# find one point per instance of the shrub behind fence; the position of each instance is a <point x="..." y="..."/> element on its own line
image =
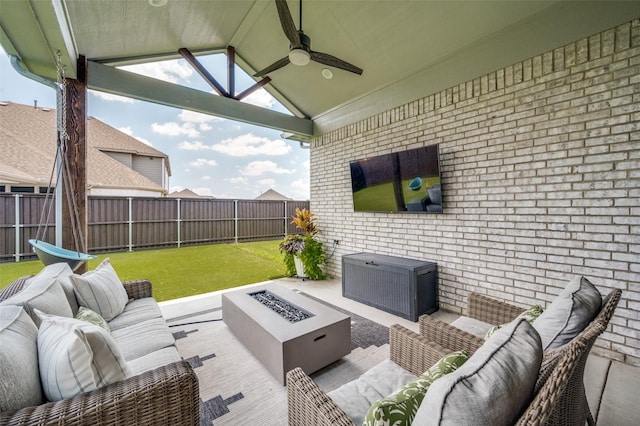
<point x="128" y="224"/>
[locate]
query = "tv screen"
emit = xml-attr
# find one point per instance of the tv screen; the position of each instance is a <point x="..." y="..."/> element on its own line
<point x="407" y="181"/>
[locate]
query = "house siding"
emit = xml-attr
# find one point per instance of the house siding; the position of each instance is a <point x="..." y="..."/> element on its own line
<point x="540" y="168"/>
<point x="124" y="158"/>
<point x="150" y="167"/>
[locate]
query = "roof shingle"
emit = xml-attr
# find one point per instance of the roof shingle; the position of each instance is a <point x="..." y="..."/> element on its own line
<point x="28" y="145"/>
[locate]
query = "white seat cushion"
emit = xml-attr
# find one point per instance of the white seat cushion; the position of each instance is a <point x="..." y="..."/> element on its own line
<point x="357" y="396"/>
<point x="141" y="339"/>
<point x="136" y="311"/>
<point x="154" y="360"/>
<point x="471" y="325"/>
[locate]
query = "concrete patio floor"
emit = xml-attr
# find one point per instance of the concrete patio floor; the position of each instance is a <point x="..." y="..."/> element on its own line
<point x="612" y="387"/>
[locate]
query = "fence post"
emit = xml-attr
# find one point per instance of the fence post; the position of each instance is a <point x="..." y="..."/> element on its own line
<point x="235" y="219"/>
<point x="284" y="217"/>
<point x="178" y="200"/>
<point x="17" y="225"/>
<point x="130" y="224"/>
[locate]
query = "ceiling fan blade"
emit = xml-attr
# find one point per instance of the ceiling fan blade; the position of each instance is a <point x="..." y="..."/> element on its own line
<point x="274" y="66"/>
<point x="332" y="61"/>
<point x="288" y="26"/>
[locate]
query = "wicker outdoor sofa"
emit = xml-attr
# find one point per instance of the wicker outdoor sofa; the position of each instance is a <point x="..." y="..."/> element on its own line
<point x="165" y="395"/>
<point x="559" y="395"/>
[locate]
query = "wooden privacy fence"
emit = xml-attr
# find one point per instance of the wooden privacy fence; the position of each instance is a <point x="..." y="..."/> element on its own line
<point x="127" y="224"/>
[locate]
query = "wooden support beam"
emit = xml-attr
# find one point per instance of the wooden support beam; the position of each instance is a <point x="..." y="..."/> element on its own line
<point x="253" y="88"/>
<point x="76" y="157"/>
<point x="124" y="83"/>
<point x="231" y="71"/>
<point x="186" y="54"/>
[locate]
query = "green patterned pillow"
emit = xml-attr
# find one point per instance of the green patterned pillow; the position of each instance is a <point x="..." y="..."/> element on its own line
<point x="530" y="315"/>
<point x="86" y="314"/>
<point x="400" y="407"/>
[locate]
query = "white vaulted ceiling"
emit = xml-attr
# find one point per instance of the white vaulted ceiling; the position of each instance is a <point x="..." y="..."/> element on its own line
<point x="407" y="49"/>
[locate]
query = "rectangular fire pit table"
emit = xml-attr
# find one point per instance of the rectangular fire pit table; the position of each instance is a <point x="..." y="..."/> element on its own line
<point x="314" y="337"/>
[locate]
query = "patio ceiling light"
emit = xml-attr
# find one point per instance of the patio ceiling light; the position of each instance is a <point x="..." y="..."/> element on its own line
<point x="158" y="3"/>
<point x="299" y="56"/>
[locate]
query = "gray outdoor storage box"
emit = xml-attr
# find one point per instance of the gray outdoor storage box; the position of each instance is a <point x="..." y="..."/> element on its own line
<point x="403" y="287"/>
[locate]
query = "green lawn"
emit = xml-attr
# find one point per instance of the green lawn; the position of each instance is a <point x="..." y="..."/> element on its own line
<point x="382" y="198"/>
<point x="185" y="271"/>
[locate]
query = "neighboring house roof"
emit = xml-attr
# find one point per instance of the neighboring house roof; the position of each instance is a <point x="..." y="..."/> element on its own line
<point x="272" y="195"/>
<point x="187" y="193"/>
<point x="28" y="144"/>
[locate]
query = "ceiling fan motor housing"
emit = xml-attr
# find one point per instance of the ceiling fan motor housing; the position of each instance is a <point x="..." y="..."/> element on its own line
<point x="299" y="55"/>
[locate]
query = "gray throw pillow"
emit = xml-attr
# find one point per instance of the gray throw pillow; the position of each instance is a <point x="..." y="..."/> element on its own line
<point x="19" y="374"/>
<point x="493" y="387"/>
<point x="101" y="291"/>
<point x="45" y="293"/>
<point x="571" y="311"/>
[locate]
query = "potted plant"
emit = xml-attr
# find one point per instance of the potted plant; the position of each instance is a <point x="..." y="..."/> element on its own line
<point x="304" y="253"/>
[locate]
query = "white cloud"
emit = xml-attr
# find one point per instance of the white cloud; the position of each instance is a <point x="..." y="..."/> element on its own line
<point x="300" y="189"/>
<point x="258" y="168"/>
<point x="170" y="71"/>
<point x="206" y="177"/>
<point x="193" y="146"/>
<point x="204" y="191"/>
<point x="237" y="180"/>
<point x="143" y="140"/>
<point x="127" y="130"/>
<point x="205" y="127"/>
<point x="267" y="182"/>
<point x="260" y="98"/>
<point x="249" y="144"/>
<point x="174" y="129"/>
<point x="201" y="162"/>
<point x="113" y="98"/>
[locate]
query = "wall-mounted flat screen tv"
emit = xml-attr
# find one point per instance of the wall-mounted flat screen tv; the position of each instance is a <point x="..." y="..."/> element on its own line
<point x="407" y="181"/>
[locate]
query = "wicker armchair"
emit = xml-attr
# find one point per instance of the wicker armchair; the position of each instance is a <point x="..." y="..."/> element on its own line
<point x="495" y="312"/>
<point x="479" y="307"/>
<point x="559" y="395"/>
<point x="308" y="405"/>
<point x="168" y="395"/>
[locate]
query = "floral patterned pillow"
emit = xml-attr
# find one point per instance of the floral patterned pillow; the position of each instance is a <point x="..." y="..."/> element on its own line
<point x="400" y="407"/>
<point x="530" y="315"/>
<point x="86" y="314"/>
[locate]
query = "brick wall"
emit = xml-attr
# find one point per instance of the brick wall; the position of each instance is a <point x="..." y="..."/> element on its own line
<point x="541" y="179"/>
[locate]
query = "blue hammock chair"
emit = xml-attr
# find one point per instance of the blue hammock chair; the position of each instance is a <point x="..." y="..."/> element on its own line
<point x="415" y="184"/>
<point x="50" y="254"/>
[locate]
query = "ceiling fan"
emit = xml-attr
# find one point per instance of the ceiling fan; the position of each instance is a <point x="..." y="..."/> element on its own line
<point x="300" y="52"/>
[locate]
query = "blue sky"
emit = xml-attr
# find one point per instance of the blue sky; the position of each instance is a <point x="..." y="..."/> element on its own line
<point x="209" y="155"/>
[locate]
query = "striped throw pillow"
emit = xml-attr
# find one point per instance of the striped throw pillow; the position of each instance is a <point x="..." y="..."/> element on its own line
<point x="76" y="356"/>
<point x="101" y="291"/>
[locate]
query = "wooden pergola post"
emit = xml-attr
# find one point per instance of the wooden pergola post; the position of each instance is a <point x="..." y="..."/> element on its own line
<point x="75" y="110"/>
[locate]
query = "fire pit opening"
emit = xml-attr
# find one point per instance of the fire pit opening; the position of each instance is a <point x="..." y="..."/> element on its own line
<point x="283" y="308"/>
